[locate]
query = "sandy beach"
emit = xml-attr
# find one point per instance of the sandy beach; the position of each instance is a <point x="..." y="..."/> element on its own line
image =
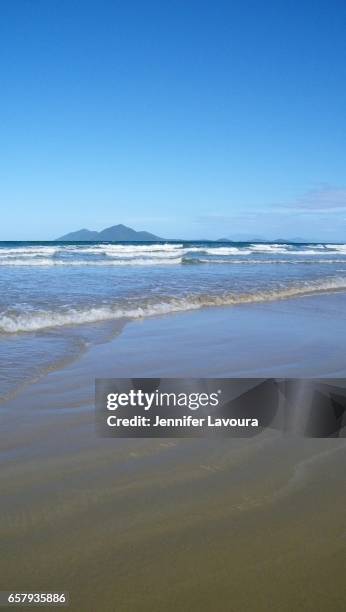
<point x="243" y="525"/>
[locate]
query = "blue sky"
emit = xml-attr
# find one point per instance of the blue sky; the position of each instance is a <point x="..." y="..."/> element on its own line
<point x="185" y="118"/>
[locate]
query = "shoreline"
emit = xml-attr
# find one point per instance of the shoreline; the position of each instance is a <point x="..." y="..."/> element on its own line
<point x="298" y="337"/>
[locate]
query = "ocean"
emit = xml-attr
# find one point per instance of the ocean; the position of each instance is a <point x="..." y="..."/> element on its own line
<point x="57" y="298"/>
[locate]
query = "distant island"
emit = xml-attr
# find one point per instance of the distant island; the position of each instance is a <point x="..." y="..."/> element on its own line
<point x="123" y="233"/>
<point x="115" y="233"/>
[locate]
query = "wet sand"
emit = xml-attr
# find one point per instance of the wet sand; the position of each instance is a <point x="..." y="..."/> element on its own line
<point x="139" y="525"/>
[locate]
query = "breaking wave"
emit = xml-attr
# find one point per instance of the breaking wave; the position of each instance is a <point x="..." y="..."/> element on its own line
<point x="34" y="321"/>
<point x="106" y="254"/>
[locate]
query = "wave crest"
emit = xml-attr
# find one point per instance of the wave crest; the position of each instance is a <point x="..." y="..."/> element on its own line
<point x="29" y="321"/>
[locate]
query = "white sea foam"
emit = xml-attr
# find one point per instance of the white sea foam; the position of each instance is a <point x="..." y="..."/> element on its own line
<point x="18" y="261"/>
<point x="149" y="255"/>
<point x="149" y="261"/>
<point x="265" y="262"/>
<point x="33" y="321"/>
<point x="227" y="251"/>
<point x="340" y="248"/>
<point x="28" y="251"/>
<point x="269" y="248"/>
<point x="295" y="249"/>
<point x="124" y="248"/>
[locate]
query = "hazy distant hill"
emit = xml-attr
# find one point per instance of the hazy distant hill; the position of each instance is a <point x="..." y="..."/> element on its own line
<point x="115" y="233"/>
<point x="248" y="238"/>
<point x="297" y="239"/>
<point x="242" y="238"/>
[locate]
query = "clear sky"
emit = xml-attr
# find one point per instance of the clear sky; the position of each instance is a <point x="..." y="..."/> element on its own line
<point x="185" y="118"/>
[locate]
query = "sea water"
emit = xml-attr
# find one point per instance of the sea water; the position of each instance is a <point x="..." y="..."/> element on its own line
<point x="56" y="297"/>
